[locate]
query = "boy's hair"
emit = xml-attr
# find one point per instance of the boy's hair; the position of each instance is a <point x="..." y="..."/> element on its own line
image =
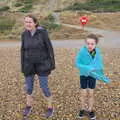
<point x="93" y="36"/>
<point x="34" y="19"/>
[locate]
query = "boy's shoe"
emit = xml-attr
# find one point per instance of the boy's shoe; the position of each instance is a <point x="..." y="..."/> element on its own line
<point x="81" y="114"/>
<point x="49" y="113"/>
<point x="92" y="115"/>
<point x="27" y="111"/>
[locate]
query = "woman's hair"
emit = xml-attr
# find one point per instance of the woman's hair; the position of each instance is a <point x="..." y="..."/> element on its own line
<point x="34" y="19"/>
<point x="93" y="36"/>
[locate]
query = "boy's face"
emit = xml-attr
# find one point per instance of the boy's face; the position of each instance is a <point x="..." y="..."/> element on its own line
<point x="90" y="43"/>
<point x="29" y="23"/>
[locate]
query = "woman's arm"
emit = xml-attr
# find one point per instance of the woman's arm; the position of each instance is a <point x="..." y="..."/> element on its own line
<point x="22" y="53"/>
<point x="49" y="48"/>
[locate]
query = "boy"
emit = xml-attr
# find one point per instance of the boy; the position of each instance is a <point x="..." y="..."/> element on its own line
<point x="89" y="62"/>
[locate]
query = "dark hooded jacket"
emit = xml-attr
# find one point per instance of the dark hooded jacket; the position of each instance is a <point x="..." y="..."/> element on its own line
<point x="37" y="51"/>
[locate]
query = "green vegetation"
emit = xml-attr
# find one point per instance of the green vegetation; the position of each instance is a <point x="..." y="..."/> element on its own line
<point x="51" y="18"/>
<point x="28" y="4"/>
<point x="6" y="24"/>
<point x="26" y="8"/>
<point x="4" y="8"/>
<point x="18" y="4"/>
<point x="50" y="25"/>
<point x="25" y="1"/>
<point x="28" y="1"/>
<point x="97" y="5"/>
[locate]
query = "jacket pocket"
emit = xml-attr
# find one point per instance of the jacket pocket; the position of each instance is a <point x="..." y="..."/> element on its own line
<point x="46" y="65"/>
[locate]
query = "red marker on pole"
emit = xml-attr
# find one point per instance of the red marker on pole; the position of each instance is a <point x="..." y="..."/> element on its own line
<point x="83" y="21"/>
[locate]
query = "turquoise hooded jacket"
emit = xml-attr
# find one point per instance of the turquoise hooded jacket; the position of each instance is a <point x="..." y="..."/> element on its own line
<point x="89" y="66"/>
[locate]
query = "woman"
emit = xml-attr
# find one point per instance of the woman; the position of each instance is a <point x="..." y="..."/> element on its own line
<point x="37" y="57"/>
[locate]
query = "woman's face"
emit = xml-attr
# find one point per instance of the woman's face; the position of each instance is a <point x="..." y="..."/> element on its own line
<point x="29" y="24"/>
<point x="91" y="44"/>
